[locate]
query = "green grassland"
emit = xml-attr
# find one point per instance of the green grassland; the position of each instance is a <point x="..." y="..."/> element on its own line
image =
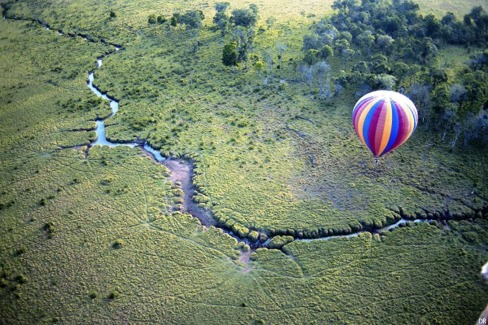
<point x="189" y="104"/>
<point x="95" y="240"/>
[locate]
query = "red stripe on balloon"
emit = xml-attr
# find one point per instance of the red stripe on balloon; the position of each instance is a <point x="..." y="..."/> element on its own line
<point x="380" y="127"/>
<point x="360" y="108"/>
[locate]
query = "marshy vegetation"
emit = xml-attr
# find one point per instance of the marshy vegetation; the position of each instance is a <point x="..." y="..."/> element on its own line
<point x="101" y="239"/>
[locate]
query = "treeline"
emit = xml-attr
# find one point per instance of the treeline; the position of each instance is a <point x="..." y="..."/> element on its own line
<point x="390" y="45"/>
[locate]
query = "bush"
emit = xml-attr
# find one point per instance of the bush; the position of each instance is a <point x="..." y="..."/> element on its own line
<point x="229" y="54"/>
<point x="240" y="230"/>
<point x="21" y="279"/>
<point x="161" y="20"/>
<point x="48" y="227"/>
<point x="178" y="192"/>
<point x="253" y="235"/>
<point x="263" y="237"/>
<point x="243" y="17"/>
<point x="118" y="244"/>
<point x="470" y="237"/>
<point x="3" y="283"/>
<point x="278" y="242"/>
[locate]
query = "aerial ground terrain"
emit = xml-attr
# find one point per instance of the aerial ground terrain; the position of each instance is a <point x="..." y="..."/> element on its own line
<point x="193" y="162"/>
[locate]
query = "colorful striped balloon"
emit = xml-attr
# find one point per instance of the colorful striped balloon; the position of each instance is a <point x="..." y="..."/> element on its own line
<point x="384" y="120"/>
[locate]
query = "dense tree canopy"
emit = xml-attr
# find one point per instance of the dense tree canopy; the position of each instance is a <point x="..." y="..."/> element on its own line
<point x="390" y="45"/>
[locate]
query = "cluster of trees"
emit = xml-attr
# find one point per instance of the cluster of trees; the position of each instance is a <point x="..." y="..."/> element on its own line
<point x="239" y="26"/>
<point x="390" y="45"/>
<point x="191" y="19"/>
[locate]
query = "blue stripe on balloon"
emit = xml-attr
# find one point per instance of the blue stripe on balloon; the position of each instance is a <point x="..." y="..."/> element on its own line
<point x="394" y="127"/>
<point x="367" y="122"/>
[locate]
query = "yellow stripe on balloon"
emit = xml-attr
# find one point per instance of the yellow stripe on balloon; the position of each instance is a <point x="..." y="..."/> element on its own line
<point x="362" y="117"/>
<point x="386" y="127"/>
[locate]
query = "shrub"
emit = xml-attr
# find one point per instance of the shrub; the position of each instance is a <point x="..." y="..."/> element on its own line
<point x="253" y="235"/>
<point x="3" y="283"/>
<point x="161" y="20"/>
<point x="278" y="242"/>
<point x="178" y="192"/>
<point x="229" y="54"/>
<point x="179" y="200"/>
<point x="240" y="230"/>
<point x="174" y="20"/>
<point x="263" y="237"/>
<point x="118" y="244"/>
<point x="21" y="279"/>
<point x="243" y="17"/>
<point x="48" y="227"/>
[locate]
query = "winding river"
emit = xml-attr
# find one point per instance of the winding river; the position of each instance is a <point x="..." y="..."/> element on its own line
<point x="181" y="171"/>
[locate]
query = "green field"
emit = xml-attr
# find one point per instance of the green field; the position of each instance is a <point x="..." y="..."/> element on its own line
<point x="99" y="238"/>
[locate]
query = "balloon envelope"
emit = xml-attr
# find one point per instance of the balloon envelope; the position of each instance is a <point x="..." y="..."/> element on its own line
<point x="384" y="120"/>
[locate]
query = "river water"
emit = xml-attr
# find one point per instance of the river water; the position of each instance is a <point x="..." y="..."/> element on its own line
<point x="100" y="123"/>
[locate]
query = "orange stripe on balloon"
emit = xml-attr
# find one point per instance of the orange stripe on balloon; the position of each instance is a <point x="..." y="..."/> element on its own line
<point x="386" y="126"/>
<point x="358" y="110"/>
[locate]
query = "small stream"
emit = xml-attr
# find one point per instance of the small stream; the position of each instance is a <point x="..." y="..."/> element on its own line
<point x="400" y="223"/>
<point x="181" y="171"/>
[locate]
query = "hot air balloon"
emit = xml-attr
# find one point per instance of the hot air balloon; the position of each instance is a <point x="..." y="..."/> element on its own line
<point x="384" y="120"/>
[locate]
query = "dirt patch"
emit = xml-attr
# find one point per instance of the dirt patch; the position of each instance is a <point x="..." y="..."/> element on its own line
<point x="182" y="171"/>
<point x="245" y="258"/>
